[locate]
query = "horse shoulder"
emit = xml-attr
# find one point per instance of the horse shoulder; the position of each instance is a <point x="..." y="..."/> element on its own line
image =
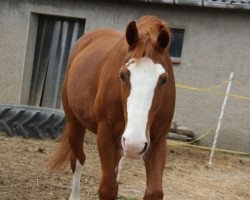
<point x="108" y="102"/>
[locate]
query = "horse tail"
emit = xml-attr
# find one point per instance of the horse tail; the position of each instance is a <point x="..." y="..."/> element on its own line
<point x="60" y="159"/>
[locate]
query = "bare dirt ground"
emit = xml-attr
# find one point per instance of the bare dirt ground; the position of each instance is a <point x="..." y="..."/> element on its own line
<point x="23" y="174"/>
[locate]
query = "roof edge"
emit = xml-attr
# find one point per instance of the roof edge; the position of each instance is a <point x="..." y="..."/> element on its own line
<point x="223" y="4"/>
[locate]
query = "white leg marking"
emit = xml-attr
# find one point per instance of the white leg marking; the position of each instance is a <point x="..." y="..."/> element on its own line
<point x="75" y="193"/>
<point x="119" y="169"/>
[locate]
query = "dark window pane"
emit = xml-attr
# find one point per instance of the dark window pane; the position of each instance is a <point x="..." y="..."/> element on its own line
<point x="176" y="46"/>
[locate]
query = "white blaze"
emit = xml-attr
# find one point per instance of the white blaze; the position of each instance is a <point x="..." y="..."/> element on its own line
<point x="144" y="75"/>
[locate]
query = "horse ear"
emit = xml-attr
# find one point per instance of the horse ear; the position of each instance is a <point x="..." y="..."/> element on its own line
<point x="132" y="34"/>
<point x="163" y="39"/>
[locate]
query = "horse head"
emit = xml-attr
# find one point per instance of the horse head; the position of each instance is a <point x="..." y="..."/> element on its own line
<point x="144" y="78"/>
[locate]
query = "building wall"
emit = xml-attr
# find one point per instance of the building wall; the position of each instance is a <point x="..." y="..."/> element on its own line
<point x="216" y="42"/>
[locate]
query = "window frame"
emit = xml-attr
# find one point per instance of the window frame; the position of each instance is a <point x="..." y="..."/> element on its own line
<point x="177" y="60"/>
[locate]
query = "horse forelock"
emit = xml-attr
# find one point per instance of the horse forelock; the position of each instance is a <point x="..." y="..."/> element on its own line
<point x="149" y="28"/>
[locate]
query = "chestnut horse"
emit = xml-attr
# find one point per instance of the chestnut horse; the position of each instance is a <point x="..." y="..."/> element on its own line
<point x="120" y="87"/>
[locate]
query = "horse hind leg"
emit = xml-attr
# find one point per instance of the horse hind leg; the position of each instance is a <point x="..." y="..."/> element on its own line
<point x="75" y="193"/>
<point x="77" y="156"/>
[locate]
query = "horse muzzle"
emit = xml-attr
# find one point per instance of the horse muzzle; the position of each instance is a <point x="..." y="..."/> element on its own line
<point x="134" y="150"/>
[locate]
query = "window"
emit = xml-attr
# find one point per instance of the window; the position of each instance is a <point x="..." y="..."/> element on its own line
<point x="175" y="48"/>
<point x="55" y="39"/>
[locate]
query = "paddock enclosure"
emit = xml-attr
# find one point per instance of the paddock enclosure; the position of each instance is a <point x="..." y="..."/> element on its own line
<point x="24" y="175"/>
<point x="210" y="43"/>
<point x="211" y="39"/>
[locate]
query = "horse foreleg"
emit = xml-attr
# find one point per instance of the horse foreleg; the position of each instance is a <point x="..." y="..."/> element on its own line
<point x="155" y="160"/>
<point x="119" y="167"/>
<point x="108" y="153"/>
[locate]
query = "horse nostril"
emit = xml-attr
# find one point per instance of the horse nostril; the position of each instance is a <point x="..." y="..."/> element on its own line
<point x="145" y="148"/>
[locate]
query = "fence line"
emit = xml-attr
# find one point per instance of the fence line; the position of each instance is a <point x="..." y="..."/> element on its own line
<point x="215" y="88"/>
<point x="201" y="89"/>
<point x="177" y="143"/>
<point x="204" y="134"/>
<point x="220" y="119"/>
<point x="243" y="85"/>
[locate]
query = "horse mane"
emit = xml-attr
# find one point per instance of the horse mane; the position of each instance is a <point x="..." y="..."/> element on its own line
<point x="149" y="28"/>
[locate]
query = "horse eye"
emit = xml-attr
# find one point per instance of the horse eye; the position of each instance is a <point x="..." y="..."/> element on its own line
<point x="122" y="76"/>
<point x="163" y="80"/>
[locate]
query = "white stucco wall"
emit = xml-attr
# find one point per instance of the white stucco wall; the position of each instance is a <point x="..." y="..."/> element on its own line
<point x="216" y="42"/>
